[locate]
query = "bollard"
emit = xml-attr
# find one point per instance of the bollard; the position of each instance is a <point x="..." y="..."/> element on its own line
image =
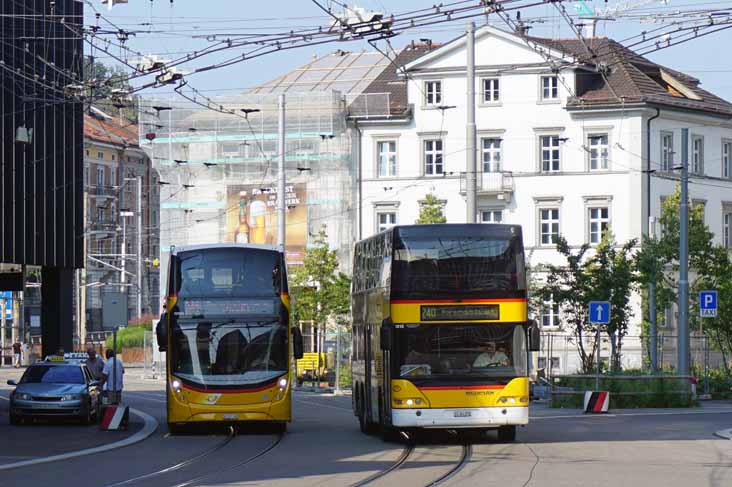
<point x="596" y="402"/>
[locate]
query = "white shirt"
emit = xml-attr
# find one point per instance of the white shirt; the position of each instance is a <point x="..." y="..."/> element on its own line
<point x="485" y="359"/>
<point x="112" y="381"/>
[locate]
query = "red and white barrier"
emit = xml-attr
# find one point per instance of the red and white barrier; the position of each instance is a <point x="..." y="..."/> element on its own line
<point x="597" y="401"/>
<point x="116" y="417"/>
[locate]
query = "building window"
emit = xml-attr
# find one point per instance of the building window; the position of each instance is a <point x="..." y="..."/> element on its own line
<point x="100" y="176"/>
<point x="550" y="314"/>
<point x="432" y="157"/>
<point x="548" y="225"/>
<point x="491" y="90"/>
<point x="87" y="152"/>
<point x="697" y="157"/>
<point x="727" y="160"/>
<point x="100" y="214"/>
<point x="100" y="155"/>
<point x="491" y="216"/>
<point x="599" y="223"/>
<point x="554" y="363"/>
<point x="387" y="158"/>
<point x="550" y="161"/>
<point x="491" y="149"/>
<point x="549" y="87"/>
<point x="113" y="157"/>
<point x="599" y="152"/>
<point x="727" y="235"/>
<point x="667" y="151"/>
<point x="433" y="93"/>
<point x="385" y="220"/>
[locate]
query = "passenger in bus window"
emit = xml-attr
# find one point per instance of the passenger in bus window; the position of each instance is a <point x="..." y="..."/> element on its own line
<point x="490" y="357"/>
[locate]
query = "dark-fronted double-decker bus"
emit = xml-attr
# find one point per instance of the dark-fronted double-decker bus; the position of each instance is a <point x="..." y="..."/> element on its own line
<point x="440" y="329"/>
<point x="226" y="330"/>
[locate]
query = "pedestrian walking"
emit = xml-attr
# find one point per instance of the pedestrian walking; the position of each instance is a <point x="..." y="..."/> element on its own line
<point x="112" y="378"/>
<point x="94" y="363"/>
<point x="16" y="354"/>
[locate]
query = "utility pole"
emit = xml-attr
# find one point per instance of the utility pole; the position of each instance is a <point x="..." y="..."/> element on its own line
<point x="683" y="328"/>
<point x="139" y="246"/>
<point x="651" y="234"/>
<point x="471" y="174"/>
<point x="281" y="207"/>
<point x="3" y="331"/>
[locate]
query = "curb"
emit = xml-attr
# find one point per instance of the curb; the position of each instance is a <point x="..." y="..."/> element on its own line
<point x="150" y="426"/>
<point x="726" y="434"/>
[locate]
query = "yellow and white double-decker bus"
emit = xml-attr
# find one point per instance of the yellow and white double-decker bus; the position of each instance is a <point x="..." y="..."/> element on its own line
<point x="440" y="329"/>
<point x="226" y="330"/>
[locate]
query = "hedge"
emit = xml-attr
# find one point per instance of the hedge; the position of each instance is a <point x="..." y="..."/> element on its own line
<point x="130" y="337"/>
<point x="625" y="391"/>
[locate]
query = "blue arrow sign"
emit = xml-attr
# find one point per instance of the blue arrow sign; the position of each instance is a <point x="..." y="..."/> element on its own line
<point x="708" y="304"/>
<point x="8" y="295"/>
<point x="599" y="312"/>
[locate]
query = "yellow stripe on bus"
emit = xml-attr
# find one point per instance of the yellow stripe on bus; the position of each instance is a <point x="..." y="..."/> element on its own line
<point x="511" y="311"/>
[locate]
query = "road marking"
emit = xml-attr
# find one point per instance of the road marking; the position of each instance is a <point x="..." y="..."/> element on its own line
<point x="649" y="413"/>
<point x="150" y="426"/>
<point x="726" y="434"/>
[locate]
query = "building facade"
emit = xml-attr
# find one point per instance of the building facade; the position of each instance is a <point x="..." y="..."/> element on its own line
<point x="561" y="149"/>
<point x="113" y="162"/>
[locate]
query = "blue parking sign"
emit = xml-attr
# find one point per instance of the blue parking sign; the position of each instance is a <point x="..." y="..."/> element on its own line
<point x="599" y="312"/>
<point x="8" y="295"/>
<point x="708" y="304"/>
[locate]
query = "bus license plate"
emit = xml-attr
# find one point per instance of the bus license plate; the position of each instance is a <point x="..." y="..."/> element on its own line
<point x="462" y="414"/>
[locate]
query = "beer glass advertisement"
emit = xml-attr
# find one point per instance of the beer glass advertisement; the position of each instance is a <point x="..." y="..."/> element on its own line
<point x="252" y="217"/>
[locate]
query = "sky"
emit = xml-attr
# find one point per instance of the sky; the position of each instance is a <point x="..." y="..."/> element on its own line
<point x="169" y="28"/>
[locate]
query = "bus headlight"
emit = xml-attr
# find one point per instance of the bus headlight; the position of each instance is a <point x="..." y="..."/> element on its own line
<point x="508" y="399"/>
<point x="282" y="383"/>
<point x="413" y="402"/>
<point x="176" y="385"/>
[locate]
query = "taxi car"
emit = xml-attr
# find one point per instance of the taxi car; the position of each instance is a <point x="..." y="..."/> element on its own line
<point x="57" y="386"/>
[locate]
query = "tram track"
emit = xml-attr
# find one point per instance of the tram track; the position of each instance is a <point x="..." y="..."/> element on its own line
<point x="236" y="465"/>
<point x="467" y="452"/>
<point x="178" y="465"/>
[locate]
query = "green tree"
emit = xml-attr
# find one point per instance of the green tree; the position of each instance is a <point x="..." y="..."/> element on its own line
<point x="605" y="273"/>
<point x="103" y="83"/>
<point x="658" y="259"/>
<point x="431" y="211"/>
<point x="320" y="292"/>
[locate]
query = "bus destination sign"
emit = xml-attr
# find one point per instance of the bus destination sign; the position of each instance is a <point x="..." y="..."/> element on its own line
<point x="228" y="307"/>
<point x="459" y="312"/>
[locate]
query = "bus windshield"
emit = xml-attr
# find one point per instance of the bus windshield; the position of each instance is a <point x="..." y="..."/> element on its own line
<point x="496" y="351"/>
<point x="424" y="266"/>
<point x="228" y="353"/>
<point x="227" y="272"/>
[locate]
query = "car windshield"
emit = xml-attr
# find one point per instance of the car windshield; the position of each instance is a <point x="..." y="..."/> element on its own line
<point x="228" y="353"/>
<point x="485" y="350"/>
<point x="53" y="374"/>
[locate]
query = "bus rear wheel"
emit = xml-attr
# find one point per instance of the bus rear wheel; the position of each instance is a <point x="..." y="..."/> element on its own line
<point x="507" y="434"/>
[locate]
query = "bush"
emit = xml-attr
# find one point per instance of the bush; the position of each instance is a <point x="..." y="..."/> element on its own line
<point x="130" y="337"/>
<point x="718" y="383"/>
<point x="659" y="392"/>
<point x="346" y="379"/>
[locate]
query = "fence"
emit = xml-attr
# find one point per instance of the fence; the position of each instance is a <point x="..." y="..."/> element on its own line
<point x="559" y="353"/>
<point x="327" y="361"/>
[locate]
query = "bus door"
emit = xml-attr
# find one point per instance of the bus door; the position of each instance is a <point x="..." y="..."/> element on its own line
<point x="386" y="338"/>
<point x="372" y="374"/>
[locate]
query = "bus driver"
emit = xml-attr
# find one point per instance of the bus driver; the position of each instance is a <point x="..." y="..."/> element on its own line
<point x="490" y="357"/>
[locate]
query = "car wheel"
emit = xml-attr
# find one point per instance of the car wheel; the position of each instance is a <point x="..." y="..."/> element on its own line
<point x="15" y="419"/>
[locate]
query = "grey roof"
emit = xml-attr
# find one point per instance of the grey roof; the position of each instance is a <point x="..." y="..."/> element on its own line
<point x="346" y="72"/>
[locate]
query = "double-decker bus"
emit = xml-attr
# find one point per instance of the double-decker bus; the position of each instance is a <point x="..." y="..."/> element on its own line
<point x="440" y="329"/>
<point x="226" y="330"/>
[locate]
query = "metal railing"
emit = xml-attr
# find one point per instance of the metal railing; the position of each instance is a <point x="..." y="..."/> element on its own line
<point x="490" y="182"/>
<point x="369" y="105"/>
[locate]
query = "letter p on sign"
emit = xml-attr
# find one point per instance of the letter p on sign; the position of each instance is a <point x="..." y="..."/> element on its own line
<point x="708" y="304"/>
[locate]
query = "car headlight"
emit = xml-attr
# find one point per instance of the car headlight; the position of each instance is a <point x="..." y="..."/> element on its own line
<point x="71" y="397"/>
<point x="22" y="396"/>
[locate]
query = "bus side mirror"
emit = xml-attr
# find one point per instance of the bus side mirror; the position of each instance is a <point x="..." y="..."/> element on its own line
<point x="160" y="331"/>
<point x="387" y="335"/>
<point x="534" y="336"/>
<point x="297" y="346"/>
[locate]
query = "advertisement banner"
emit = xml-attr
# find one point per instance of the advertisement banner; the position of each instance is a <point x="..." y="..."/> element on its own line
<point x="253" y="217"/>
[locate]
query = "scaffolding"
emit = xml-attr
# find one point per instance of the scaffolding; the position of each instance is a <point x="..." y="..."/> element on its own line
<point x="218" y="170"/>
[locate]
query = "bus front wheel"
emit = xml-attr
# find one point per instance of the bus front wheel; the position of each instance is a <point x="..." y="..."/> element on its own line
<point x="507" y="434"/>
